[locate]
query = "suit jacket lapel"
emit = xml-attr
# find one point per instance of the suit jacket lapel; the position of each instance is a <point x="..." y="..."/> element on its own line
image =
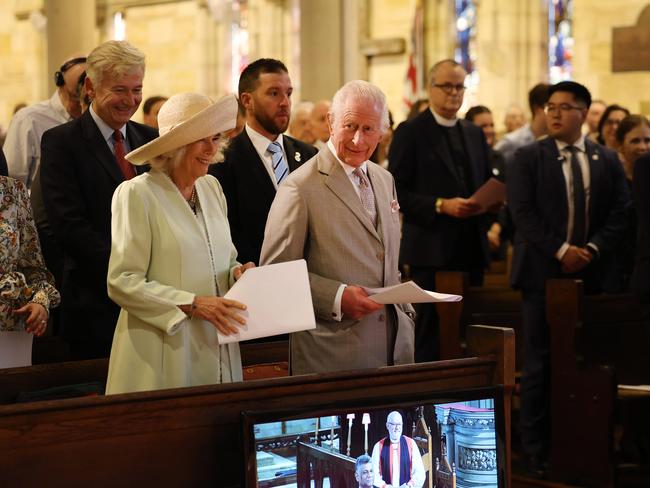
<point x="434" y="134"/>
<point x="341" y="186"/>
<point x="472" y="147"/>
<point x="552" y="162"/>
<point x="136" y="140"/>
<point x="594" y="156"/>
<point x="99" y="147"/>
<point x="294" y="157"/>
<point x="383" y="197"/>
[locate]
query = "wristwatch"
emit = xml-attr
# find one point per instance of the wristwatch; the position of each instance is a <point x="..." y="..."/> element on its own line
<point x="438" y="205"/>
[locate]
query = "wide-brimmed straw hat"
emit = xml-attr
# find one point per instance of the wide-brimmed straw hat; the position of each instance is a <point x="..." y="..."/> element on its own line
<point x="186" y="118"/>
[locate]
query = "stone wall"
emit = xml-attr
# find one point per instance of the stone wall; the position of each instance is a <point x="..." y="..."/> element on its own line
<point x="188" y="46"/>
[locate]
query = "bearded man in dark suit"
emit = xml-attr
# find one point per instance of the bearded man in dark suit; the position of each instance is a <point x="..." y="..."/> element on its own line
<point x="82" y="162"/>
<point x="260" y="158"/>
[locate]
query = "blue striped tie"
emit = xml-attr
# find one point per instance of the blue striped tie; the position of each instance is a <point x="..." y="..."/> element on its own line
<point x="279" y="164"/>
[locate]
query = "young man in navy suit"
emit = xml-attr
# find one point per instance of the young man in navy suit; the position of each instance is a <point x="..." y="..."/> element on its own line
<point x="568" y="197"/>
<point x="260" y="158"/>
<point x="81" y="165"/>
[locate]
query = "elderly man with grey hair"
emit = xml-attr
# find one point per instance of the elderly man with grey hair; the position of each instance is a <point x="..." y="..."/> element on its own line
<point x="300" y="124"/>
<point x="341" y="215"/>
<point x="82" y="162"/>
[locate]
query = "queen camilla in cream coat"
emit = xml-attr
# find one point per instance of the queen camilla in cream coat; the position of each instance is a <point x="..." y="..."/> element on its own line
<point x="171" y="258"/>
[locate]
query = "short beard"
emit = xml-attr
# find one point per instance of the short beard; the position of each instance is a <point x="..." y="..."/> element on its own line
<point x="270" y="125"/>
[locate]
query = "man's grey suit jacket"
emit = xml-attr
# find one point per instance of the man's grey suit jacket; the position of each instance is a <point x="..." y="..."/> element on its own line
<point x="318" y="216"/>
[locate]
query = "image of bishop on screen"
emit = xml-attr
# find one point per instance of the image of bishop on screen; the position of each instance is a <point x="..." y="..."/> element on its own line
<point x="451" y="444"/>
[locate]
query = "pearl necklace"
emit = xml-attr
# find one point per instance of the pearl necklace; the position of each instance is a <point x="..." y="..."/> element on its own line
<point x="193" y="199"/>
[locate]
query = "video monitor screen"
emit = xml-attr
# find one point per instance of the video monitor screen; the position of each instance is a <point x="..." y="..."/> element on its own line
<point x="442" y="440"/>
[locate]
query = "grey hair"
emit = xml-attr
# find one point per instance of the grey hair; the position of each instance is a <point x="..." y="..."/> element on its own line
<point x="116" y="58"/>
<point x="302" y="107"/>
<point x="361" y="90"/>
<point x="445" y="62"/>
<point x="170" y="160"/>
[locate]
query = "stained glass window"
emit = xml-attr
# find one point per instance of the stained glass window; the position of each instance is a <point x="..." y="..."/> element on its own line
<point x="560" y="40"/>
<point x="465" y="52"/>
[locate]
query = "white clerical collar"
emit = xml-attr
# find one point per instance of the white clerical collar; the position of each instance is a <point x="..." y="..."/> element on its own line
<point x="346" y="167"/>
<point x="579" y="144"/>
<point x="445" y="122"/>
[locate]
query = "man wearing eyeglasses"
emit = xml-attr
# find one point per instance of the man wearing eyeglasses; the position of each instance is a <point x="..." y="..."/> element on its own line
<point x="396" y="459"/>
<point x="568" y="198"/>
<point x="438" y="161"/>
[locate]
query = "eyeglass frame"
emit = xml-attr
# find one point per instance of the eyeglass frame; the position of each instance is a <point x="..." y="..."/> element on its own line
<point x="448" y="88"/>
<point x="561" y="108"/>
<point x="393" y="425"/>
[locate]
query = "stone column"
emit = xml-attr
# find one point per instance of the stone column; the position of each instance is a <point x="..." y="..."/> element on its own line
<point x="321" y="48"/>
<point x="70" y="32"/>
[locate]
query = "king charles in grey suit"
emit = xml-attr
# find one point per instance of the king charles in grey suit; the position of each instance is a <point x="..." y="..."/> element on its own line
<point x="340" y="213"/>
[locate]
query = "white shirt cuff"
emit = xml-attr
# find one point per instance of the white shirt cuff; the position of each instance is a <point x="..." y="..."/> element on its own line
<point x="336" y="308"/>
<point x="562" y="251"/>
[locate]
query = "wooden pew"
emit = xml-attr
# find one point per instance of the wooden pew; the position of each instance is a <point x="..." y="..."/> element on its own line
<point x="495" y="304"/>
<point x="13" y="381"/>
<point x="192" y="436"/>
<point x="596" y="343"/>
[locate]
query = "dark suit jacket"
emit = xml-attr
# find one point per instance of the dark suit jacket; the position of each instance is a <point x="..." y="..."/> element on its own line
<point x="641" y="189"/>
<point x="4" y="170"/>
<point x="424" y="171"/>
<point x="78" y="177"/>
<point x="537" y="200"/>
<point x="250" y="191"/>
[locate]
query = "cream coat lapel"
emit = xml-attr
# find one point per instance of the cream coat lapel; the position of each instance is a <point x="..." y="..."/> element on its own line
<point x="181" y="217"/>
<point x="341" y="186"/>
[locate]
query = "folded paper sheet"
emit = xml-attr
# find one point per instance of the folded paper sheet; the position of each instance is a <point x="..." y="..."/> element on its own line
<point x="408" y="292"/>
<point x="490" y="193"/>
<point x="15" y="349"/>
<point x="278" y="301"/>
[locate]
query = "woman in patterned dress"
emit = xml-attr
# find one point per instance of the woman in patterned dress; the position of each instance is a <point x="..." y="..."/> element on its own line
<point x="26" y="287"/>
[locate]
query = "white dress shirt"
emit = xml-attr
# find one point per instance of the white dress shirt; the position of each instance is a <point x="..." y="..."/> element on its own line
<point x="565" y="156"/>
<point x="261" y="145"/>
<point x="22" y="146"/>
<point x="107" y="132"/>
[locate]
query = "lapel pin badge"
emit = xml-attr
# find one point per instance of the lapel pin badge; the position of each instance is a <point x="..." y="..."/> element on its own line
<point x="595" y="157"/>
<point x="394" y="206"/>
<point x="297" y="156"/>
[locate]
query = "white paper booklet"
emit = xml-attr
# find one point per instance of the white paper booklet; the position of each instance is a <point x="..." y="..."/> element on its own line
<point x="15" y="349"/>
<point x="408" y="292"/>
<point x="278" y="301"/>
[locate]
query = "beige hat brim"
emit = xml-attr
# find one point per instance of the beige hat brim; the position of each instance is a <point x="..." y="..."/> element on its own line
<point x="217" y="118"/>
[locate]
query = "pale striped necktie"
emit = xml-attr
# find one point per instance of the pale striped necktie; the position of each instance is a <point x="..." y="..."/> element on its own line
<point x="280" y="167"/>
<point x="366" y="195"/>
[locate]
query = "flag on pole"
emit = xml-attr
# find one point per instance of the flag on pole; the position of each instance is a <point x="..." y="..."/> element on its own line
<point x="414" y="81"/>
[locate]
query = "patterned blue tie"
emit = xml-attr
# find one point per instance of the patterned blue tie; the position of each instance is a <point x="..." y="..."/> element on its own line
<point x="279" y="164"/>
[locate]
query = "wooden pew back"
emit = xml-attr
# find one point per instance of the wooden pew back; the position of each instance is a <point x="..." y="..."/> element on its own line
<point x="496" y="305"/>
<point x="192" y="436"/>
<point x="596" y="342"/>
